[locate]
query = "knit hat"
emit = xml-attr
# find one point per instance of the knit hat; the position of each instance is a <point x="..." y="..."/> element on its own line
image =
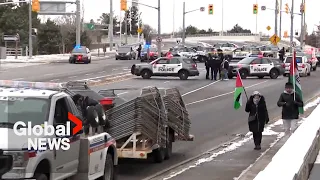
<point x="288" y="85"/>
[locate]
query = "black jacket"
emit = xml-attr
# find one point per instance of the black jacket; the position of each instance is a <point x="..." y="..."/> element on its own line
<point x="290" y="107"/>
<point x="261" y="111"/>
<point x="225" y="64"/>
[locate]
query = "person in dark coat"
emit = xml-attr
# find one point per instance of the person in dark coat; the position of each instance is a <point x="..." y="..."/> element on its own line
<point x="139" y="51"/>
<point x="281" y="54"/>
<point x="208" y="64"/>
<point x="290" y="103"/>
<point x="224" y="69"/>
<point x="220" y="60"/>
<point x="258" y="117"/>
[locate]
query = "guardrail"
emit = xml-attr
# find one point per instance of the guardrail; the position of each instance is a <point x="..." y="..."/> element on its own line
<point x="294" y="160"/>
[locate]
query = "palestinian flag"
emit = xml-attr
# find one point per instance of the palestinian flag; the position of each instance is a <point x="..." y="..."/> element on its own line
<point x="294" y="78"/>
<point x="238" y="92"/>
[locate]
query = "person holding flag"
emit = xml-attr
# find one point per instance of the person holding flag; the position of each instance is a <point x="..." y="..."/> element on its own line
<point x="291" y="99"/>
<point x="257" y="109"/>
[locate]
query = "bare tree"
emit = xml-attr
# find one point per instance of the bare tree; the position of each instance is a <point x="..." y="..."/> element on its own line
<point x="67" y="26"/>
<point x="148" y="30"/>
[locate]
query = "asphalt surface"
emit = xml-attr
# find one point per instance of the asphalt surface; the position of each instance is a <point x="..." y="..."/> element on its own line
<point x="214" y="120"/>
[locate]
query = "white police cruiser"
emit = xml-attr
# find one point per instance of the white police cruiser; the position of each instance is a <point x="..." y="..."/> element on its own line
<point x="257" y="66"/>
<point x="175" y="66"/>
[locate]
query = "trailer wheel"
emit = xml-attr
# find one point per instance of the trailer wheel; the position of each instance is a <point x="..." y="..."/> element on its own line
<point x="108" y="169"/>
<point x="158" y="155"/>
<point x="41" y="177"/>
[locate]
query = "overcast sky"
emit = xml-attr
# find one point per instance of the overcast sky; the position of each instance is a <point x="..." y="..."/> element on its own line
<point x="235" y="11"/>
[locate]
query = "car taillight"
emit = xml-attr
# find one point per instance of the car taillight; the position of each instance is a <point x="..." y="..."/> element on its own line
<point x="239" y="65"/>
<point x="106" y="101"/>
<point x="79" y="57"/>
<point x="194" y="66"/>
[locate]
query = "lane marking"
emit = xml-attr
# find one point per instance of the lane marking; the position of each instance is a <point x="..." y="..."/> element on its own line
<point x="55" y="80"/>
<point x="71" y="77"/>
<point x="17" y="79"/>
<point x="102" y="72"/>
<point x="166" y="82"/>
<point x="224" y="94"/>
<point x="114" y="69"/>
<point x="50" y="74"/>
<point x="89" y="74"/>
<point x="103" y="76"/>
<point x="119" y="94"/>
<point x="195" y="90"/>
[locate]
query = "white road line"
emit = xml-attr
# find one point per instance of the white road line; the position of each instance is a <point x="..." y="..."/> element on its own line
<point x="55" y="80"/>
<point x="220" y="95"/>
<point x="50" y="74"/>
<point x="89" y="74"/>
<point x="119" y="94"/>
<point x="72" y="77"/>
<point x="104" y="76"/>
<point x="102" y="72"/>
<point x="195" y="90"/>
<point x="114" y="69"/>
<point x="166" y="82"/>
<point x="17" y="79"/>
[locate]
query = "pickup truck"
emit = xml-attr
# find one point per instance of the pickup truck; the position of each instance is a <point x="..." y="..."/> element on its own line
<point x="91" y="155"/>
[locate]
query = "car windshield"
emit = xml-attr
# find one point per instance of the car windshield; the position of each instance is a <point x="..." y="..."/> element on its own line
<point x="247" y="60"/>
<point x="79" y="50"/>
<point x="289" y="59"/>
<point x="14" y="109"/>
<point x="124" y="49"/>
<point x="151" y="50"/>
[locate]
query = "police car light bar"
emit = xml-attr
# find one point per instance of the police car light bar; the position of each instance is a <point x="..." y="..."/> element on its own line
<point x="31" y="85"/>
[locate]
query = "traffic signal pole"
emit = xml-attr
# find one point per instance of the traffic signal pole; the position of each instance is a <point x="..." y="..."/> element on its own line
<point x="291" y="29"/>
<point x="30" y="30"/>
<point x="111" y="26"/>
<point x="184" y="21"/>
<point x="276" y="18"/>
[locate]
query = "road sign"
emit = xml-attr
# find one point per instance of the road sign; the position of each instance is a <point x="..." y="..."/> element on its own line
<point x="90" y="26"/>
<point x="159" y="39"/>
<point x="139" y="30"/>
<point x="263" y="8"/>
<point x="275" y="39"/>
<point x="268" y="28"/>
<point x="202" y="9"/>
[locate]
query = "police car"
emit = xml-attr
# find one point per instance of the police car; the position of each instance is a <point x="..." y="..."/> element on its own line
<point x="245" y="51"/>
<point x="175" y="66"/>
<point x="257" y="66"/>
<point x="304" y="67"/>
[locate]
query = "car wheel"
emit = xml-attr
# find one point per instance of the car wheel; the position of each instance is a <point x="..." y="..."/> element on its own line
<point x="244" y="73"/>
<point x="309" y="73"/>
<point x="183" y="75"/>
<point x="146" y="74"/>
<point x="285" y="75"/>
<point x="274" y="74"/>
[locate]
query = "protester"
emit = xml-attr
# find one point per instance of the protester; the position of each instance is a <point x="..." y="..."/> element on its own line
<point x="290" y="103"/>
<point x="207" y="65"/>
<point x="224" y="69"/>
<point x="258" y="117"/>
<point x="139" y="51"/>
<point x="281" y="54"/>
<point x="220" y="60"/>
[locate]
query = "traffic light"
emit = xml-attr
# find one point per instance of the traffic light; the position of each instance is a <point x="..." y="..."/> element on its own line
<point x="210" y="9"/>
<point x="287" y="8"/>
<point x="255" y="9"/>
<point x="35" y="6"/>
<point x="123" y="5"/>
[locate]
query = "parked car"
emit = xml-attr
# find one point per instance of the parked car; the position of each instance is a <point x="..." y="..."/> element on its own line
<point x="312" y="60"/>
<point x="304" y="66"/>
<point x="153" y="54"/>
<point x="80" y="55"/>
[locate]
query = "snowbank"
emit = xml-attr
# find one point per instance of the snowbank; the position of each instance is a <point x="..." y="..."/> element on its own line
<point x="293" y="155"/>
<point x="39" y="58"/>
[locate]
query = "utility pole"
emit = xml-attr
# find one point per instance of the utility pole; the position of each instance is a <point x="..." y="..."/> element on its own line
<point x="302" y="25"/>
<point x="276" y="19"/>
<point x="159" y="27"/>
<point x="304" y="22"/>
<point x="126" y="27"/>
<point x="257" y="20"/>
<point x="111" y="25"/>
<point x="184" y="24"/>
<point x="30" y="30"/>
<point x="173" y="18"/>
<point x="280" y="26"/>
<point x="291" y="29"/>
<point x="78" y="24"/>
<point x="222" y="18"/>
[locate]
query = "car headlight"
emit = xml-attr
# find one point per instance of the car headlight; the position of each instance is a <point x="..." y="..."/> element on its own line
<point x="20" y="158"/>
<point x="128" y="53"/>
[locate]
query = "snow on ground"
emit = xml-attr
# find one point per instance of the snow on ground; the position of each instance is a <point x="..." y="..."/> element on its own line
<point x="39" y="58"/>
<point x="6" y="66"/>
<point x="101" y="50"/>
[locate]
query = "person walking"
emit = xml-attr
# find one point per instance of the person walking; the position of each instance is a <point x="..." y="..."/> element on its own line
<point x="290" y="103"/>
<point x="258" y="117"/>
<point x="224" y="69"/>
<point x="281" y="54"/>
<point x="210" y="66"/>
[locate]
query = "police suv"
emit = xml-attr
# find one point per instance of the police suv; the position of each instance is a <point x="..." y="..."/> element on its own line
<point x="175" y="66"/>
<point x="257" y="66"/>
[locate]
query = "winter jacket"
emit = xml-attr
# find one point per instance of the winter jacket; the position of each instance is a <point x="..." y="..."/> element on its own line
<point x="290" y="107"/>
<point x="260" y="112"/>
<point x="225" y="64"/>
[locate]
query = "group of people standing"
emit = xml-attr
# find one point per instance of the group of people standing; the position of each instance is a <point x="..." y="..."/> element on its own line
<point x="258" y="112"/>
<point x="217" y="65"/>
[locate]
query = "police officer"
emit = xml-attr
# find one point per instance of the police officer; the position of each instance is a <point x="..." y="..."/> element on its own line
<point x="139" y="51"/>
<point x="219" y="62"/>
<point x="281" y="54"/>
<point x="208" y="63"/>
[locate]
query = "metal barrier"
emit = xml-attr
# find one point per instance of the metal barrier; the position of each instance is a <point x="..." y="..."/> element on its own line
<point x="12" y="51"/>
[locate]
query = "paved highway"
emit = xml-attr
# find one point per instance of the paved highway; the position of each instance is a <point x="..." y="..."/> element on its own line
<point x="213" y="119"/>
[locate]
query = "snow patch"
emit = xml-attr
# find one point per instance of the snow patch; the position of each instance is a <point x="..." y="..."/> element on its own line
<point x="312" y="104"/>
